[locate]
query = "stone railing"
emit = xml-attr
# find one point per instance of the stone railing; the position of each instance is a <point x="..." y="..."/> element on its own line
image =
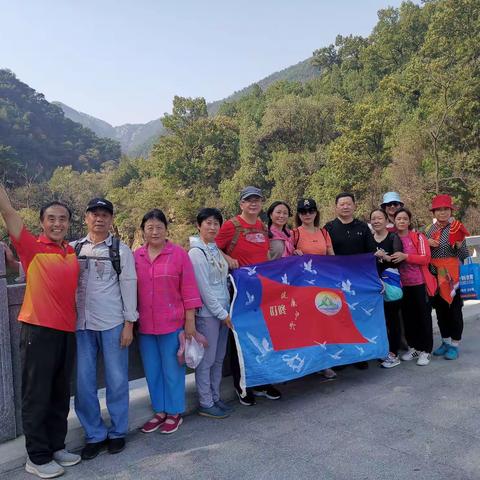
<point x="11" y="297"/>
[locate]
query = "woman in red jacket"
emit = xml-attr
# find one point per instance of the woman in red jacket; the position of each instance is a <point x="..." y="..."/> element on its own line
<point x="418" y="283"/>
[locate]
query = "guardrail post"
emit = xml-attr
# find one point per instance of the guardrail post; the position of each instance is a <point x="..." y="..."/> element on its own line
<point x="8" y="428"/>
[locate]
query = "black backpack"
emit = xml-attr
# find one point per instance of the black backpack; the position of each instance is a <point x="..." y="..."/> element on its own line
<point x="113" y="254"/>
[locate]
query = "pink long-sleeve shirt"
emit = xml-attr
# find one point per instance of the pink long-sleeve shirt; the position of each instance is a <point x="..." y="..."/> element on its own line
<point x="166" y="288"/>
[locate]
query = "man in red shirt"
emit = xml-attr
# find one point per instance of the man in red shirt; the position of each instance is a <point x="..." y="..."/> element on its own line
<point x="244" y="241"/>
<point x="47" y="342"/>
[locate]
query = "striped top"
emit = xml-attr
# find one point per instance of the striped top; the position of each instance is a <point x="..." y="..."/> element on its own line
<point x="445" y="249"/>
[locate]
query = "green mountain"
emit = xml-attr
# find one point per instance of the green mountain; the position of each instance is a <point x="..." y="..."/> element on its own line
<point x="135" y="139"/>
<point x="99" y="127"/>
<point x="300" y="72"/>
<point x="36" y="137"/>
<point x="138" y="139"/>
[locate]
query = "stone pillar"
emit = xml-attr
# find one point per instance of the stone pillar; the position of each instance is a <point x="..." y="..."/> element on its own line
<point x="15" y="300"/>
<point x="8" y="428"/>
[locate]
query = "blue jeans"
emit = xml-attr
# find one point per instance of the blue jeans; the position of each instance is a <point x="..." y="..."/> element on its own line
<point x="115" y="360"/>
<point x="165" y="377"/>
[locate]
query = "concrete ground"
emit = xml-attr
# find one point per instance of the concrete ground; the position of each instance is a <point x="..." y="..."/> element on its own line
<point x="409" y="422"/>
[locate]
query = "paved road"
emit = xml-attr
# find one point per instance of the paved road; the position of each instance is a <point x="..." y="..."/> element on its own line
<point x="412" y="423"/>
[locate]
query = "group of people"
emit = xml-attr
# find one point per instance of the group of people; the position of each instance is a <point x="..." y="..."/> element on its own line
<point x="94" y="292"/>
<point x="429" y="268"/>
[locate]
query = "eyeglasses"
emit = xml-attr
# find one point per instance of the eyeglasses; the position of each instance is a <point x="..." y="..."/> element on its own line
<point x="308" y="211"/>
<point x="393" y="204"/>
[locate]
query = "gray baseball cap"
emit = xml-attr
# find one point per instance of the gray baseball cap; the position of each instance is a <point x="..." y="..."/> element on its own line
<point x="250" y="192"/>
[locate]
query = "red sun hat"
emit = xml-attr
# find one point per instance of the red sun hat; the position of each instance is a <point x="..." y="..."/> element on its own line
<point x="442" y="201"/>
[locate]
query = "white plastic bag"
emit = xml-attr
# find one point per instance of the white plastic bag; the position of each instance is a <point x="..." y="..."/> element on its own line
<point x="194" y="352"/>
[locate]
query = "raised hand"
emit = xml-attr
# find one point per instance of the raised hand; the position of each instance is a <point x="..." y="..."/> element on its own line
<point x="12" y="219"/>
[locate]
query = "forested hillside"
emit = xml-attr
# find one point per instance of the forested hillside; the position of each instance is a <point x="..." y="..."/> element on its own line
<point x="301" y="72"/>
<point x="36" y="138"/>
<point x="138" y="139"/>
<point x="397" y="110"/>
<point x="97" y="126"/>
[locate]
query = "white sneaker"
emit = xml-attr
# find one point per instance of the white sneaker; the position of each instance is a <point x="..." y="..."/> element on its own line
<point x="66" y="458"/>
<point x="391" y="361"/>
<point x="423" y="358"/>
<point x="47" y="470"/>
<point x="410" y="354"/>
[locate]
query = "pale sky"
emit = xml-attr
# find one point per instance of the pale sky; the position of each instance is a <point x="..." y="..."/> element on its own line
<point x="123" y="61"/>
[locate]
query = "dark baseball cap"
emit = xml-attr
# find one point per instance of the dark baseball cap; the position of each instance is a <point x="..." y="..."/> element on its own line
<point x="250" y="192"/>
<point x="306" y="204"/>
<point x="95" y="203"/>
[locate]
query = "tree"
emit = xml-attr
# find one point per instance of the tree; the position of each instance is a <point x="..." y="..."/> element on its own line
<point x="252" y="169"/>
<point x="297" y="124"/>
<point x="76" y="189"/>
<point x="9" y="165"/>
<point x="37" y="137"/>
<point x="448" y="71"/>
<point x="185" y="112"/>
<point x="290" y="174"/>
<point x="200" y="154"/>
<point x="326" y="57"/>
<point x="356" y="159"/>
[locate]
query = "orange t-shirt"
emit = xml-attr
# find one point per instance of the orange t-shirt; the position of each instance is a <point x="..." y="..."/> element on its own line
<point x="52" y="276"/>
<point x="312" y="243"/>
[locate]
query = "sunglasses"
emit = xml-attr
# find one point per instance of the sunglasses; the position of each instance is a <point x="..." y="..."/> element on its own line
<point x="306" y="212"/>
<point x="393" y="204"/>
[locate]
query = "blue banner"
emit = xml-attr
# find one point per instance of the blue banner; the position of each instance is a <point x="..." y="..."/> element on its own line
<point x="302" y="314"/>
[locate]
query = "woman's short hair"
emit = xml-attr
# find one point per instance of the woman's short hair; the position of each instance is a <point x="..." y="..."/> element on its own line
<point x="155" y="214"/>
<point x="409" y="214"/>
<point x="381" y="210"/>
<point x="205" y="213"/>
<point x="270" y="210"/>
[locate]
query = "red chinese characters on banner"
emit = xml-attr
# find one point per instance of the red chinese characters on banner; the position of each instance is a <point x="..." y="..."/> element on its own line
<point x="306" y="316"/>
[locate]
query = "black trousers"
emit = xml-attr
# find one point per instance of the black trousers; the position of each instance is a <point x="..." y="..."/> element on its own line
<point x="417" y="318"/>
<point x="47" y="357"/>
<point x="235" y="365"/>
<point x="394" y="325"/>
<point x="449" y="316"/>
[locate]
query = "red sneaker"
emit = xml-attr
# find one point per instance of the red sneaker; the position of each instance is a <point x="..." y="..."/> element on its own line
<point x="171" y="424"/>
<point x="155" y="423"/>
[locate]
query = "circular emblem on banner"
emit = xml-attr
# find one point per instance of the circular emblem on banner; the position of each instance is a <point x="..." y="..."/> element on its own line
<point x="328" y="303"/>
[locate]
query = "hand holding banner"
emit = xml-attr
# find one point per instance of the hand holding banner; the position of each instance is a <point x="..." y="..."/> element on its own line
<point x="299" y="315"/>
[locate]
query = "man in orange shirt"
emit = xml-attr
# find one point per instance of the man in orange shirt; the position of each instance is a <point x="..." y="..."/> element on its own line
<point x="47" y="342"/>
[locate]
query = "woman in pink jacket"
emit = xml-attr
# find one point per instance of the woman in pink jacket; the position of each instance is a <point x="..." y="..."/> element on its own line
<point x="418" y="284"/>
<point x="167" y="299"/>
